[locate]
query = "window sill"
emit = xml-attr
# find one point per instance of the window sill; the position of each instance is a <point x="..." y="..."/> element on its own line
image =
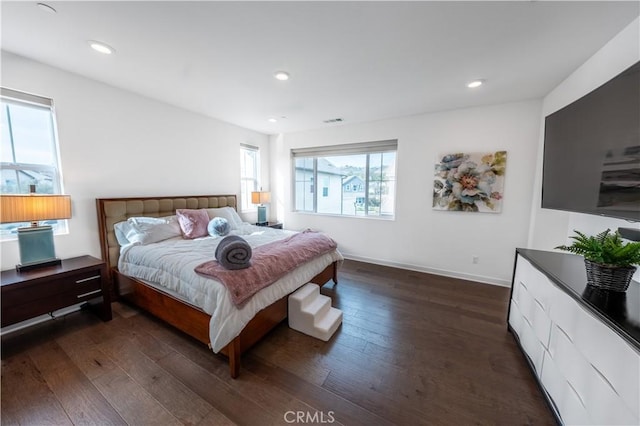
<point x="14" y="237"/>
<point x="384" y="218"/>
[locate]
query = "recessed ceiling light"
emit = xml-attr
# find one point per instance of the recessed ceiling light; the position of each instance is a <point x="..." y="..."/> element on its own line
<point x="46" y="8"/>
<point x="98" y="46"/>
<point x="281" y="75"/>
<point x="475" y="83"/>
<point x="273" y="120"/>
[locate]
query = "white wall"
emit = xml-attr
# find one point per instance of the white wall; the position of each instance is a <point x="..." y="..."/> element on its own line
<point x="420" y="238"/>
<point x="114" y="143"/>
<point x="550" y="228"/>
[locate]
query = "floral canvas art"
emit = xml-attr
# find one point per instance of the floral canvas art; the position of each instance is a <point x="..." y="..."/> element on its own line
<point x="470" y="182"/>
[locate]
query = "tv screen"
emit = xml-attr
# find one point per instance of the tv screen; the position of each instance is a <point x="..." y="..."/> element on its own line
<point x="592" y="151"/>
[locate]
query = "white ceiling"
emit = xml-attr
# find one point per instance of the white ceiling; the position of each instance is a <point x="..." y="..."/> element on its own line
<point x="360" y="61"/>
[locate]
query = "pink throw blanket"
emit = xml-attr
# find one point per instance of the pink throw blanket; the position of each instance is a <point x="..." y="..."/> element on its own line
<point x="269" y="263"/>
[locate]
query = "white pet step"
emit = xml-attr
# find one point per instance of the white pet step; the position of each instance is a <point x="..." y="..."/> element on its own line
<point x="317" y="307"/>
<point x="305" y="293"/>
<point x="330" y="322"/>
<point x="311" y="313"/>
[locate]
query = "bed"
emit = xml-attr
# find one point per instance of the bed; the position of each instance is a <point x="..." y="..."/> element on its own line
<point x="174" y="308"/>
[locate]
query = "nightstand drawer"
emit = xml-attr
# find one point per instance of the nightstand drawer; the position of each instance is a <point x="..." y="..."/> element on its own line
<point x="40" y="291"/>
<point x="77" y="284"/>
<point x="17" y="313"/>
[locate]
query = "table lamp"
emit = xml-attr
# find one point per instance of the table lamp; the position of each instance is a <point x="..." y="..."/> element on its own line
<point x="261" y="198"/>
<point x="35" y="242"/>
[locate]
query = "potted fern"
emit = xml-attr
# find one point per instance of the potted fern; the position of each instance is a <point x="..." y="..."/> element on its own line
<point x="608" y="259"/>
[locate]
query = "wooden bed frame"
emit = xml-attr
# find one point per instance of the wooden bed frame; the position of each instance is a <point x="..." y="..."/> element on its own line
<point x="182" y="315"/>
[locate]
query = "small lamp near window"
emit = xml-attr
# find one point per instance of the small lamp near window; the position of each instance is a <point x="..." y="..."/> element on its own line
<point x="36" y="242"/>
<point x="261" y="198"/>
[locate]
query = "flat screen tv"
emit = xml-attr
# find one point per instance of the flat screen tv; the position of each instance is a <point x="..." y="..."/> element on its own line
<point x="592" y="151"/>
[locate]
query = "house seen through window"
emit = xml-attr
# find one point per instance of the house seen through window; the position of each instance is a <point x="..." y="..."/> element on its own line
<point x="357" y="179"/>
<point x="28" y="151"/>
<point x="249" y="173"/>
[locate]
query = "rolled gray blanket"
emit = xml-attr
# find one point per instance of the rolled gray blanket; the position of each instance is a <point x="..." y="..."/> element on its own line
<point x="233" y="252"/>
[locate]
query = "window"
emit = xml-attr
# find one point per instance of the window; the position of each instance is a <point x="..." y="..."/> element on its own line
<point x="249" y="172"/>
<point x="28" y="151"/>
<point x="357" y="179"/>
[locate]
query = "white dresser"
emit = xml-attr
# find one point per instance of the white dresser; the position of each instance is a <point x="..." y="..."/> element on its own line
<point x="582" y="344"/>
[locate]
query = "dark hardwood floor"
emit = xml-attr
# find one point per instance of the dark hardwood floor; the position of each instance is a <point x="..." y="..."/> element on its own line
<point x="413" y="349"/>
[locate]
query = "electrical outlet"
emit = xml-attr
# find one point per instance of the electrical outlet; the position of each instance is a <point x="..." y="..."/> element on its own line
<point x="475" y="259"/>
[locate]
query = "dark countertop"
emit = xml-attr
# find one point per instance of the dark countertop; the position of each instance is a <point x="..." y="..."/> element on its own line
<point x="620" y="311"/>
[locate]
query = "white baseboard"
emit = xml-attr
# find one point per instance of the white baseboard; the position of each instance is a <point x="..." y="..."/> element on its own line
<point x="453" y="274"/>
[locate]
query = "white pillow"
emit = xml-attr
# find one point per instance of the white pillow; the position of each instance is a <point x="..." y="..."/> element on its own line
<point x="146" y="230"/>
<point x="121" y="230"/>
<point x="228" y="213"/>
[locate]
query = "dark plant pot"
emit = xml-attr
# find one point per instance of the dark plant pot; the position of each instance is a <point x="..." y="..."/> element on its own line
<point x="609" y="278"/>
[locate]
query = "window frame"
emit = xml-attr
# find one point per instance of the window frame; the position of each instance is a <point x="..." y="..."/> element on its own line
<point x="365" y="148"/>
<point x="10" y="97"/>
<point x="245" y="199"/>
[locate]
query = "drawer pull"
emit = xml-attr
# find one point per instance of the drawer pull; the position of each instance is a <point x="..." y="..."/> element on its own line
<point x="602" y="376"/>
<point x="539" y="304"/>
<point x="80" y="296"/>
<point x="95" y="277"/>
<point x="564" y="332"/>
<point x="577" y="394"/>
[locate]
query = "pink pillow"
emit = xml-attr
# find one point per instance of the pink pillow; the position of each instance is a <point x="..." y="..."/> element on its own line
<point x="193" y="222"/>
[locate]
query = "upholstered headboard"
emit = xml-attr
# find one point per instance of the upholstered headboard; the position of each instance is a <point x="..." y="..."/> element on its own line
<point x="114" y="210"/>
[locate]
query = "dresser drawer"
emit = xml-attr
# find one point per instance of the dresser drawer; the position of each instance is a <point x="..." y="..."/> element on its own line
<point x="574" y="368"/>
<point x="515" y="318"/>
<point x="612" y="358"/>
<point x="553" y="381"/>
<point x="604" y="404"/>
<point x="564" y="396"/>
<point x="573" y="410"/>
<point x="535" y="315"/>
<point x="522" y="274"/>
<point x="531" y="345"/>
<point x="565" y="314"/>
<point x="538" y="285"/>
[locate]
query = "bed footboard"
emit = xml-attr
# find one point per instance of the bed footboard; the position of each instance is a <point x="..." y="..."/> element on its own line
<point x="183" y="316"/>
<point x="195" y="322"/>
<point x="267" y="319"/>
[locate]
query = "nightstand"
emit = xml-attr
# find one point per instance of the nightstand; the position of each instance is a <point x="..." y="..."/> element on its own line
<point x="29" y="294"/>
<point x="274" y="225"/>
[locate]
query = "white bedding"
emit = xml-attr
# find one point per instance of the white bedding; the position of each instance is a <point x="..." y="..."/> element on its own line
<point x="170" y="264"/>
